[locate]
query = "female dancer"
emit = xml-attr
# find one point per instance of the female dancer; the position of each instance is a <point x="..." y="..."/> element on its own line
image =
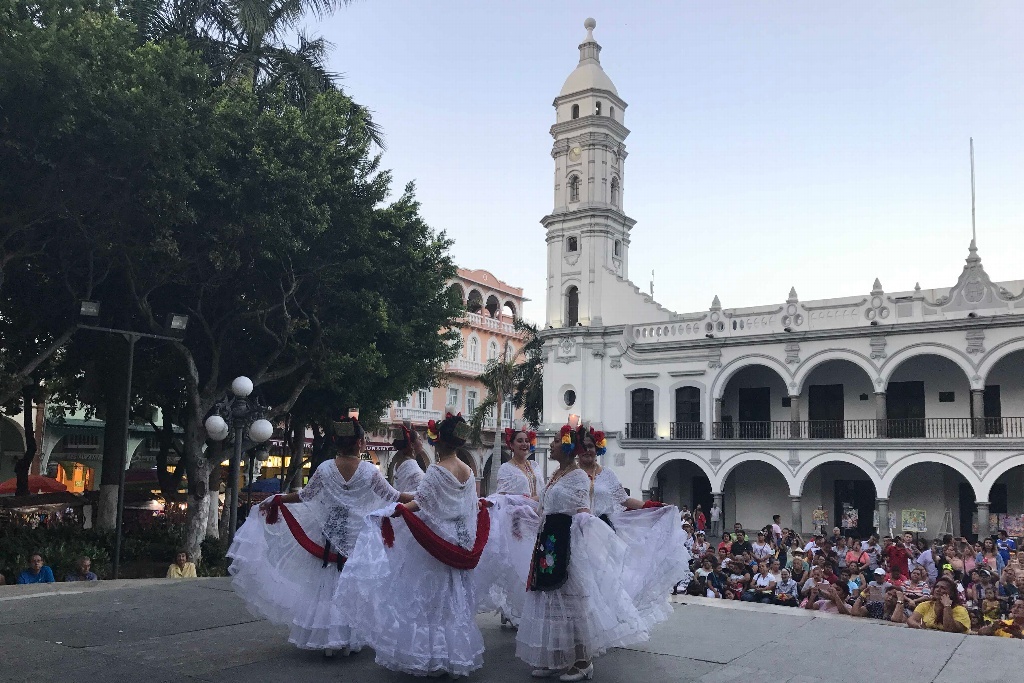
<point x="515" y="513"/>
<point x="576" y="607"/>
<point x="288" y="573"/>
<point x="410" y="460"/>
<point x="655" y="557"/>
<point x="410" y="587"/>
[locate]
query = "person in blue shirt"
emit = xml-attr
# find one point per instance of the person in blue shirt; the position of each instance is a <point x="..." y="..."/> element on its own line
<point x="37" y="571"/>
<point x="1005" y="544"/>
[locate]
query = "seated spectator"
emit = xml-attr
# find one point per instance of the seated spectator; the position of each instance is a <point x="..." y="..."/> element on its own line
<point x="182" y="568"/>
<point x="700" y="546"/>
<point x="916" y="589"/>
<point x="740" y="544"/>
<point x="726" y="544"/>
<point x="828" y="598"/>
<point x="854" y="553"/>
<point x="787" y="591"/>
<point x="775" y="569"/>
<point x="816" y="578"/>
<point x="857" y="580"/>
<point x="840" y="551"/>
<point x="1008" y="589"/>
<point x="1013" y="627"/>
<point x="82" y="571"/>
<point x="798" y="568"/>
<point x="705" y="569"/>
<point x="739" y="576"/>
<point x="990" y="556"/>
<point x="943" y="611"/>
<point x="761" y="587"/>
<point x="892" y="608"/>
<point x="37" y="571"/>
<point x="877" y="587"/>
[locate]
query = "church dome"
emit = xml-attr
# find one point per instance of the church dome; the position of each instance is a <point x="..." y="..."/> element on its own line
<point x="588" y="74"/>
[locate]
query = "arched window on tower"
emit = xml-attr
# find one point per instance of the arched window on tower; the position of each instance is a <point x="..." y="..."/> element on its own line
<point x="615" y="191"/>
<point x="492" y="350"/>
<point x="572" y="244"/>
<point x="474" y="349"/>
<point x="597" y="109"/>
<point x="572" y="307"/>
<point x="575" y="111"/>
<point x="611" y="112"/>
<point x="574" y="188"/>
<point x="618" y="248"/>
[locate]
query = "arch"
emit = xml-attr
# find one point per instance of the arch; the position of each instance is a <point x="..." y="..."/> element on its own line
<point x="572" y="306"/>
<point x="597" y="108"/>
<point x="572" y="243"/>
<point x="896" y="468"/>
<point x="473" y="348"/>
<point x="493" y="306"/>
<point x="821" y="357"/>
<point x="659" y="461"/>
<point x="12" y="436"/>
<point x="510" y="351"/>
<point x="475" y="301"/>
<point x="806" y="467"/>
<point x="893" y="362"/>
<point x="617" y="248"/>
<point x="574" y="188"/>
<point x="615" y="199"/>
<point x="996" y="471"/>
<point x="611" y="111"/>
<point x="732" y="367"/>
<point x="510" y="308"/>
<point x="492" y="350"/>
<point x="996" y="354"/>
<point x="734" y="461"/>
<point x="457" y="292"/>
<point x="575" y="111"/>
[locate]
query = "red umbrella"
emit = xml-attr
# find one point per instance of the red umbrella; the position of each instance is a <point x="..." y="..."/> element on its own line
<point x="36" y="484"/>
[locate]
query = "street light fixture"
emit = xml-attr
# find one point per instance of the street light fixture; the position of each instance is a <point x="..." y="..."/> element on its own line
<point x="89" y="312"/>
<point x="245" y="416"/>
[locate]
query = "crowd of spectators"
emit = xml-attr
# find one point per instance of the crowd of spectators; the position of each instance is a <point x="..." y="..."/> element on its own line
<point x="947" y="584"/>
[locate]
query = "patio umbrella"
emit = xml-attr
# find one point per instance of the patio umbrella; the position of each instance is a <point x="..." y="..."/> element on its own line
<point x="36" y="484"/>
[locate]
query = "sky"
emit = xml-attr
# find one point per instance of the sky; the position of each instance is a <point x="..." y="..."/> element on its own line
<point x="817" y="145"/>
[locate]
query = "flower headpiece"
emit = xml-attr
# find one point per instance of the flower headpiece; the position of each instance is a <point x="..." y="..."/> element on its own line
<point x="404" y="438"/>
<point x="452" y="431"/>
<point x="600" y="442"/>
<point x="511" y="434"/>
<point x="568" y="439"/>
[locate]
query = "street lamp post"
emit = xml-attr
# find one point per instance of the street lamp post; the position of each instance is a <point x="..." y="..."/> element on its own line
<point x="238" y="413"/>
<point x="176" y="325"/>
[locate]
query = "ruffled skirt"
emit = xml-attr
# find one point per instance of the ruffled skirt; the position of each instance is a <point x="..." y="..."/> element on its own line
<point x="590" y="613"/>
<point x="656" y="559"/>
<point x="282" y="582"/>
<point x="416" y="613"/>
<point x="504" y="567"/>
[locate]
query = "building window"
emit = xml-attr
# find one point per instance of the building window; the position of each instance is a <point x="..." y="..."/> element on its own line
<point x="787" y="401"/>
<point x="642" y="412"/>
<point x="947" y="397"/>
<point x="572" y="244"/>
<point x="597" y="109"/>
<point x="611" y="112"/>
<point x="474" y="349"/>
<point x="492" y="350"/>
<point x="615" y="191"/>
<point x="506" y="411"/>
<point x="574" y="188"/>
<point x="453" y="398"/>
<point x="510" y="352"/>
<point x="402" y="402"/>
<point x="618" y="248"/>
<point x="572" y="306"/>
<point x="569" y="398"/>
<point x="575" y="111"/>
<point x="423" y="399"/>
<point x="471" y="397"/>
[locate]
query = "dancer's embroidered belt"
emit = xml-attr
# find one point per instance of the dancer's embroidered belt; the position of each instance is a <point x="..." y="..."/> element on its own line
<point x="318" y="551"/>
<point x="454" y="556"/>
<point x="550" y="567"/>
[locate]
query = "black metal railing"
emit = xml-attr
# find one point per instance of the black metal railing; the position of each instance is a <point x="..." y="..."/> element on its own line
<point x="687" y="430"/>
<point x="641" y="430"/>
<point x="911" y="428"/>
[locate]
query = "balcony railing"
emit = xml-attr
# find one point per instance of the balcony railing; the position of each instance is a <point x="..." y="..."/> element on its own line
<point x="488" y="423"/>
<point x="641" y="430"/>
<point x="488" y="323"/>
<point x="687" y="430"/>
<point x="911" y="428"/>
<point x="417" y="414"/>
<point x="468" y="367"/>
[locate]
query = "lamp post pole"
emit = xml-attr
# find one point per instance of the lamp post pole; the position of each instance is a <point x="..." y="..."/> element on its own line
<point x="119" y="523"/>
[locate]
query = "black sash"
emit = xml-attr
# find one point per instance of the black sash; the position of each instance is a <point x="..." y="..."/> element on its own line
<point x="550" y="567"/>
<point x="607" y="520"/>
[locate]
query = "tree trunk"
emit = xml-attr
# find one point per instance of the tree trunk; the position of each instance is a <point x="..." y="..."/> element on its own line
<point x="114" y="375"/>
<point x="24" y="464"/>
<point x="198" y="469"/>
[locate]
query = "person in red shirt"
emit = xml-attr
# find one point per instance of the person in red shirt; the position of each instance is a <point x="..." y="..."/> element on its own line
<point x="899" y="559"/>
<point x="699" y="519"/>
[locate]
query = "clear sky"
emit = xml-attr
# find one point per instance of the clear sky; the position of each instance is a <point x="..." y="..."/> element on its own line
<point x="774" y="144"/>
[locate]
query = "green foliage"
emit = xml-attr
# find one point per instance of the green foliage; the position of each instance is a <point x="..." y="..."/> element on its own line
<point x="517" y="378"/>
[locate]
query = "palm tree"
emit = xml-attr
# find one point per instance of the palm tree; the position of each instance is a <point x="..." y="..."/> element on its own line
<point x="516" y="377"/>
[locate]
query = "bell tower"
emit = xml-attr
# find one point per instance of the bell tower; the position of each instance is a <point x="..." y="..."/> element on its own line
<point x="587" y="230"/>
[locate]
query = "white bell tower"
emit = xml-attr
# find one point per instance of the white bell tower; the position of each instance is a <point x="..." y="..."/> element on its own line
<point x="587" y="230"/>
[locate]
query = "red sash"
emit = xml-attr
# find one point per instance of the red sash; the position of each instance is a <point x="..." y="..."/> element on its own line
<point x="441" y="550"/>
<point x="307" y="543"/>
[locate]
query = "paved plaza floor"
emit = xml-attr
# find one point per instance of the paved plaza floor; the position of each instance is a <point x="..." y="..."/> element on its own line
<point x="199" y="630"/>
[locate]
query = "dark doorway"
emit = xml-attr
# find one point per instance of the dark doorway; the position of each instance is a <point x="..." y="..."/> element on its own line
<point x="998" y="500"/>
<point x="825" y="411"/>
<point x="702" y="497"/>
<point x="904" y="407"/>
<point x="688" y="423"/>
<point x="861" y="496"/>
<point x="992" y="409"/>
<point x="966" y="501"/>
<point x="755" y="413"/>
<point x="642" y="414"/>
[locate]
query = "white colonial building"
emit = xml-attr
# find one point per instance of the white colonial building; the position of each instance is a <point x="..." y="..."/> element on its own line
<point x="878" y="402"/>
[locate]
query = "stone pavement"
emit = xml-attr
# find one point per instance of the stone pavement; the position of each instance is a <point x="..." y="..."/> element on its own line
<point x="199" y="630"/>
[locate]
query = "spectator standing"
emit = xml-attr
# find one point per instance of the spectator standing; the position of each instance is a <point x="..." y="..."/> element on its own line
<point x="873" y="550"/>
<point x="738" y="533"/>
<point x="943" y="612"/>
<point x="37" y="571"/>
<point x="777" y="529"/>
<point x="899" y="558"/>
<point x="716" y="518"/>
<point x="926" y="561"/>
<point x="990" y="556"/>
<point x="700" y="522"/>
<point x="82" y="571"/>
<point x="740" y="544"/>
<point x="182" y="568"/>
<point x="1005" y="545"/>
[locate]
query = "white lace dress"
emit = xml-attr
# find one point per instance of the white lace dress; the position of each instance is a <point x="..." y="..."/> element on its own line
<point x="592" y="611"/>
<point x="418" y="613"/>
<point x="408" y="476"/>
<point x="286" y="584"/>
<point x="505" y="567"/>
<point x="656" y="557"/>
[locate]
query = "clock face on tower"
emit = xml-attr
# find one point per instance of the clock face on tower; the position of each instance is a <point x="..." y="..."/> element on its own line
<point x="574" y="154"/>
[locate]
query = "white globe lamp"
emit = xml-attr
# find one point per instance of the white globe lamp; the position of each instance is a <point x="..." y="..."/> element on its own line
<point x="241" y="386"/>
<point x="216" y="427"/>
<point x="260" y="431"/>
